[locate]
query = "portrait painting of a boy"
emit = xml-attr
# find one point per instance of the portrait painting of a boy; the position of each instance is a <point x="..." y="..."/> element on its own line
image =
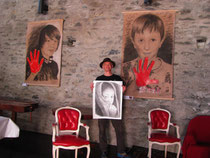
<point x="147" y="58"/>
<point x="107" y="100"/>
<point x="43" y="54"/>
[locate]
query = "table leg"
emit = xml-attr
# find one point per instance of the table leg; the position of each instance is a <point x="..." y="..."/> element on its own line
<point x="14" y="116"/>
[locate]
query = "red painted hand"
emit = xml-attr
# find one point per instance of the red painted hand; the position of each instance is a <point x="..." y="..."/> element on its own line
<point x="142" y="77"/>
<point x="35" y="66"/>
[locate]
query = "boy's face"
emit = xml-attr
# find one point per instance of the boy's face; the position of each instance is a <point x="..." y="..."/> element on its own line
<point x="147" y="44"/>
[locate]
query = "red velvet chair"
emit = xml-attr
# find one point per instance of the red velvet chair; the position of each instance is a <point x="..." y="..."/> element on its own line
<point x="196" y="142"/>
<point x="66" y="131"/>
<point x="158" y="130"/>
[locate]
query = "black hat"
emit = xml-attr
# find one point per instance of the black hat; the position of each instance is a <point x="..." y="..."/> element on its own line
<point x="107" y="60"/>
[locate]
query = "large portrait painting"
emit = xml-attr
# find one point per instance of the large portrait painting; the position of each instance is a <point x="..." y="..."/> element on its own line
<point x="147" y="53"/>
<point x="107" y="100"/>
<point x="43" y="52"/>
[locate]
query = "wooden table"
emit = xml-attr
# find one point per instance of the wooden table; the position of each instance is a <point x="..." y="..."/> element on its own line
<point x="17" y="106"/>
<point x="86" y="113"/>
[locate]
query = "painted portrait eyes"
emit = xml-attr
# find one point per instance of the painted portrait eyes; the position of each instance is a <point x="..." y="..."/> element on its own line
<point x="142" y="40"/>
<point x="108" y="96"/>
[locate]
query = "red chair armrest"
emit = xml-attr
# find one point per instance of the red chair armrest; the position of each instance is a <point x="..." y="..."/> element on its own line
<point x="177" y="129"/>
<point x="188" y="141"/>
<point x="87" y="130"/>
<point x="54" y="127"/>
<point x="54" y="124"/>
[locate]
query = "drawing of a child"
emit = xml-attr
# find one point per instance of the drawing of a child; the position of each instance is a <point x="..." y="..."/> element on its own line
<point x="148" y="74"/>
<point x="107" y="100"/>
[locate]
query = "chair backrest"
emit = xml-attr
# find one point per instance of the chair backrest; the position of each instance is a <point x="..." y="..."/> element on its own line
<point x="159" y="119"/>
<point x="68" y="119"/>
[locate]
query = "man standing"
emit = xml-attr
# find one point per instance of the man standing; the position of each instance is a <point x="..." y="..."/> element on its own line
<point x="107" y="64"/>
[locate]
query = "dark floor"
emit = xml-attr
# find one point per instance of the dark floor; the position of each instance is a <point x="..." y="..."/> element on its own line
<point x="36" y="145"/>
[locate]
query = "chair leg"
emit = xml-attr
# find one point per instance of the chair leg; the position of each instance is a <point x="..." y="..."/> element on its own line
<point x="150" y="150"/>
<point x="76" y="151"/>
<point x="179" y="148"/>
<point x="166" y="151"/>
<point x="57" y="152"/>
<point x="53" y="151"/>
<point x="88" y="151"/>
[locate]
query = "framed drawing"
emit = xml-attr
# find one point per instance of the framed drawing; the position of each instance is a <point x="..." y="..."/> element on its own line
<point x="107" y="100"/>
<point x="147" y="53"/>
<point x="43" y="52"/>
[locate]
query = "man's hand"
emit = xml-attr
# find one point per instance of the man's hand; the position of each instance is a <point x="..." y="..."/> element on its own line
<point x="91" y="86"/>
<point x="124" y="88"/>
<point x="142" y="77"/>
<point x="34" y="64"/>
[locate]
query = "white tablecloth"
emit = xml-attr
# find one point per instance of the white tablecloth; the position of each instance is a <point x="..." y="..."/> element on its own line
<point x="8" y="128"/>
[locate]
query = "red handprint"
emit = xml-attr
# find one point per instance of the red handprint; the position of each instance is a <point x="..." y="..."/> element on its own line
<point x="34" y="63"/>
<point x="142" y="77"/>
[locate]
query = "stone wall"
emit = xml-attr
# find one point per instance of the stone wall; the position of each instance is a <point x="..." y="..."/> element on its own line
<point x="97" y="26"/>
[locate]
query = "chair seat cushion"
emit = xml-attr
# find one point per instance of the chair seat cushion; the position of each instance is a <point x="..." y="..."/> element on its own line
<point x="162" y="138"/>
<point x="70" y="140"/>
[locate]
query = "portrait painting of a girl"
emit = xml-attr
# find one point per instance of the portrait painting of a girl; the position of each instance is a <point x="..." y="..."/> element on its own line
<point x="107" y="99"/>
<point x="44" y="41"/>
